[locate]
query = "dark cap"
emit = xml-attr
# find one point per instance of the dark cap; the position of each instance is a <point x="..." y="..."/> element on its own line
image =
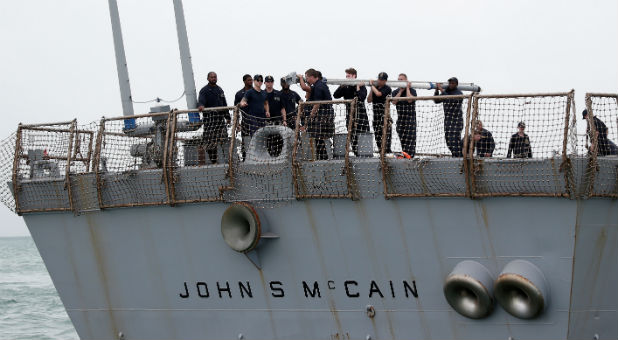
<point x="258" y="77"/>
<point x="584" y="113"/>
<point x="383" y="76"/>
<point x="453" y="79"/>
<point x="269" y="79"/>
<point x="245" y="77"/>
<point x="521" y="125"/>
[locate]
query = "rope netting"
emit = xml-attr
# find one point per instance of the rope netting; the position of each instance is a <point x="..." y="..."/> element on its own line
<point x="467" y="145"/>
<point x="602" y="135"/>
<point x="425" y="158"/>
<point x="527" y="135"/>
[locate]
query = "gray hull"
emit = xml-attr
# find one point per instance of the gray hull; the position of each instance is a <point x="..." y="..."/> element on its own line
<point x="125" y="270"/>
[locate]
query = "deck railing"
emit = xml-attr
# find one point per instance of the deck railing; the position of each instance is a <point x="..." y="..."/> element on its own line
<point x="167" y="159"/>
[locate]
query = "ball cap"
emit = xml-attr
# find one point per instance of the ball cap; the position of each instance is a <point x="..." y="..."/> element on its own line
<point x="269" y="79"/>
<point x="258" y="77"/>
<point x="453" y="79"/>
<point x="383" y="76"/>
<point x="521" y="125"/>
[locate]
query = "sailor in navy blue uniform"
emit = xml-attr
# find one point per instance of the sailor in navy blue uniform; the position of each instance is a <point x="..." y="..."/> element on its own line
<point x="248" y="81"/>
<point x="215" y="127"/>
<point x="277" y="111"/>
<point x="320" y="123"/>
<point x="519" y="145"/>
<point x="361" y="122"/>
<point x="289" y="100"/>
<point x="406" y="116"/>
<point x="453" y="116"/>
<point x="256" y="106"/>
<point x="483" y="141"/>
<point x="377" y="97"/>
<point x="606" y="146"/>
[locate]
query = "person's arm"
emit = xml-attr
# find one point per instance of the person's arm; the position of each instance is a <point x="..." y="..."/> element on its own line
<point x="361" y="92"/>
<point x="370" y="97"/>
<point x="511" y="144"/>
<point x="267" y="108"/>
<point x="375" y="90"/>
<point x="409" y="92"/>
<point x="529" y="147"/>
<point x="243" y="101"/>
<point x="302" y="83"/>
<point x="338" y="92"/>
<point x="283" y="114"/>
<point x="201" y="102"/>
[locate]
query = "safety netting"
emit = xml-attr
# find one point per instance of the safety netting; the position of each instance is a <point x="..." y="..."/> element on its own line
<point x="460" y="146"/>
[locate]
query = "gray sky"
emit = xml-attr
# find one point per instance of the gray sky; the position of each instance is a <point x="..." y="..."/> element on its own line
<point x="57" y="60"/>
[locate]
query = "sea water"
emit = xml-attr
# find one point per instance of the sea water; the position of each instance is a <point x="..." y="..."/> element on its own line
<point x="29" y="304"/>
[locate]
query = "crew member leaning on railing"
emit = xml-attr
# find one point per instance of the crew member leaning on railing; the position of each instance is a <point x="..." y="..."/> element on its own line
<point x="605" y="146"/>
<point x="483" y="141"/>
<point x="257" y="107"/>
<point x="520" y="143"/>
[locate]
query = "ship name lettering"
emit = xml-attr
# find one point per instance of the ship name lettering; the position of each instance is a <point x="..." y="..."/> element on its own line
<point x="276" y="289"/>
<point x="311" y="289"/>
<point x="316" y="290"/>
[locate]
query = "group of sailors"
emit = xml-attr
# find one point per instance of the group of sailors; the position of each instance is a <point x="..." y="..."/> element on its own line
<point x="260" y="107"/>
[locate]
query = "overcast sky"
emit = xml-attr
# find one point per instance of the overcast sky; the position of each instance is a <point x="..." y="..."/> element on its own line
<point x="57" y="57"/>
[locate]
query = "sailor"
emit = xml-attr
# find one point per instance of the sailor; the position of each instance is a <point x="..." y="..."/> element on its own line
<point x="257" y="106"/>
<point x="606" y="146"/>
<point x="483" y="141"/>
<point x="406" y="116"/>
<point x="320" y="122"/>
<point x="277" y="111"/>
<point x="215" y="127"/>
<point x="453" y="116"/>
<point x="248" y="84"/>
<point x="519" y="145"/>
<point x="359" y="90"/>
<point x="377" y="96"/>
<point x="289" y="100"/>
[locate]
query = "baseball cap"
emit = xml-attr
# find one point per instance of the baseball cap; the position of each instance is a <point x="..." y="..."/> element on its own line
<point x="521" y="124"/>
<point x="453" y="79"/>
<point x="383" y="76"/>
<point x="258" y="77"/>
<point x="269" y="79"/>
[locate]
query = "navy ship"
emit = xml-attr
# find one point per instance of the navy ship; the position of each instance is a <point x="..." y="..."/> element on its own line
<point x="145" y="238"/>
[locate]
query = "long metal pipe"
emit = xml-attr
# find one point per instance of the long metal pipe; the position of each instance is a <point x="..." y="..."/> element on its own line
<point x="425" y="85"/>
<point x="121" y="61"/>
<point x="185" y="56"/>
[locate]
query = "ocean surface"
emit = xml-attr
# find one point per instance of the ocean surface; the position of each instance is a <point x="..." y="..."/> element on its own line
<point x="29" y="304"/>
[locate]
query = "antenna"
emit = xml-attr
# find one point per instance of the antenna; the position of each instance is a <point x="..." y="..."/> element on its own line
<point x="121" y="65"/>
<point x="185" y="60"/>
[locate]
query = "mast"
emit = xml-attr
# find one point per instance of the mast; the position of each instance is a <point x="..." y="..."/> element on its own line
<point x="185" y="60"/>
<point x="121" y="62"/>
